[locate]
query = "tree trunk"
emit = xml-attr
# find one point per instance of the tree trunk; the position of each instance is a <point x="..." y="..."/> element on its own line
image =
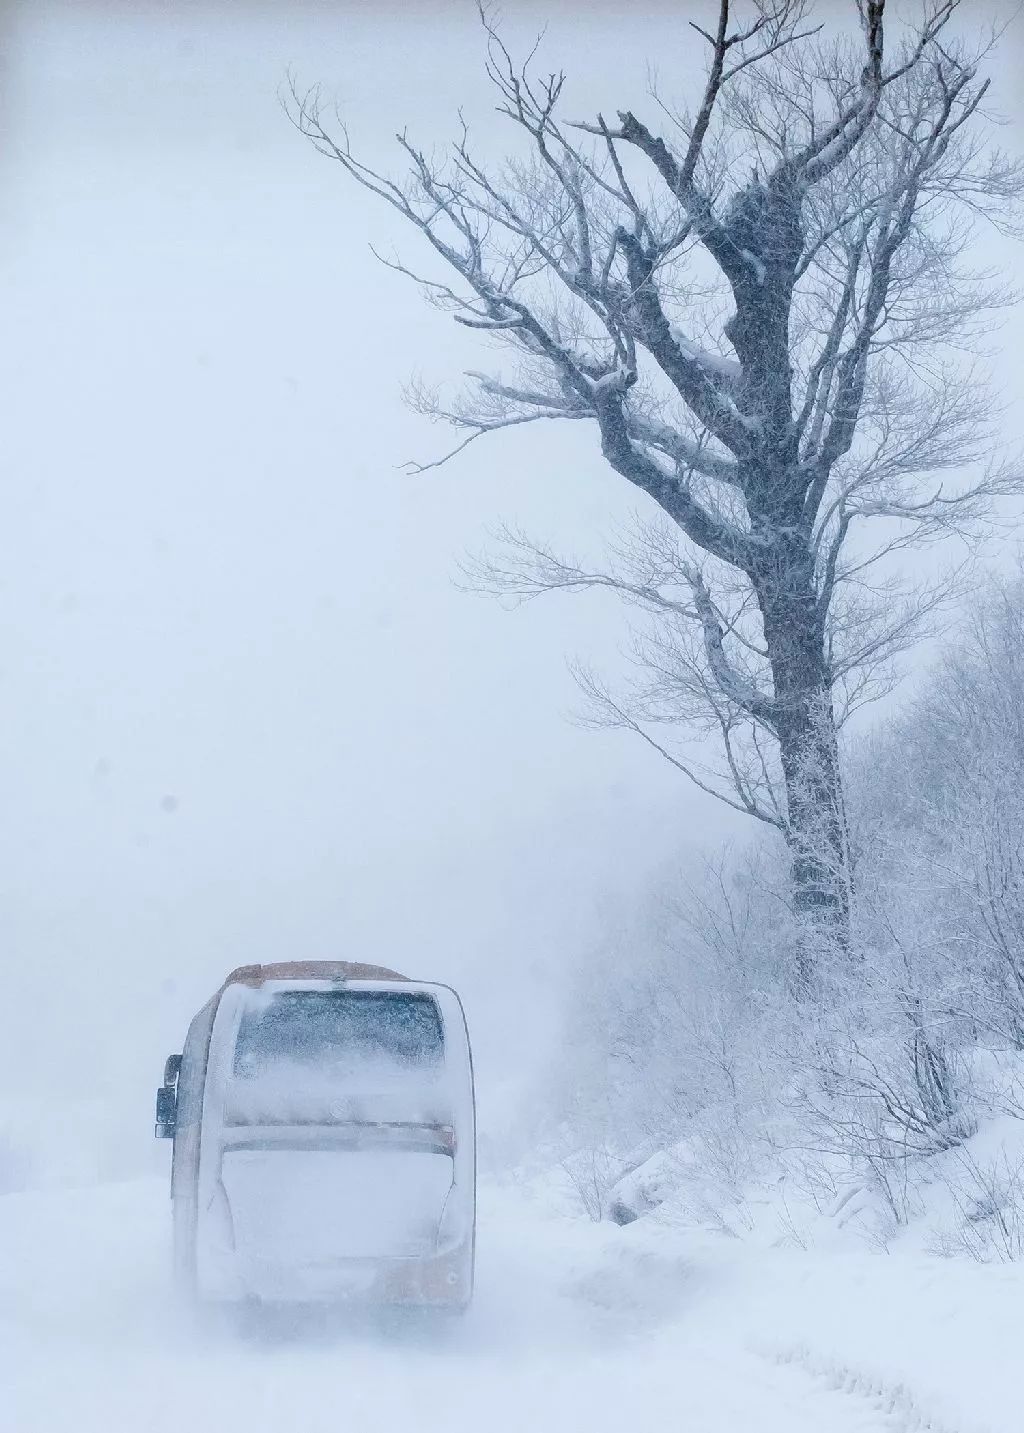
<point x="805" y="724"/>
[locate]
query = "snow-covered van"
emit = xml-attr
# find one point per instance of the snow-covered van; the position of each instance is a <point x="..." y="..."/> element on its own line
<point x="324" y="1139"/>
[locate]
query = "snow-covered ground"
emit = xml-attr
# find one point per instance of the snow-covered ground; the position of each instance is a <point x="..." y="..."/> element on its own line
<point x="576" y="1326"/>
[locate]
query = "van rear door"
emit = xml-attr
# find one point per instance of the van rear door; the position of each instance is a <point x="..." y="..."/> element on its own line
<point x="340" y="1110"/>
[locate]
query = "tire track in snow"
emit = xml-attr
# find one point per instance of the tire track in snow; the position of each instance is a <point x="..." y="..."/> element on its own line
<point x="896" y="1407"/>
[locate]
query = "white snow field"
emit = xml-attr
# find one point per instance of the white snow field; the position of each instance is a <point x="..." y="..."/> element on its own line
<point x="575" y="1326"/>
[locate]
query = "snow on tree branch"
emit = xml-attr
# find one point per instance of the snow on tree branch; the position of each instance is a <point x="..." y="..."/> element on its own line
<point x="812" y="391"/>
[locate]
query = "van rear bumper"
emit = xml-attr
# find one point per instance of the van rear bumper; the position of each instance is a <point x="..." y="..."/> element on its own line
<point x="440" y="1281"/>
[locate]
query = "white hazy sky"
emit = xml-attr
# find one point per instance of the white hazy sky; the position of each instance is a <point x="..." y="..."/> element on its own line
<point x="244" y="714"/>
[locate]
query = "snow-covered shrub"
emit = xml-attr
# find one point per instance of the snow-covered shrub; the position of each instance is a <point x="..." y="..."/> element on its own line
<point x="593" y="1171"/>
<point x="936" y="965"/>
<point x="690" y="1033"/>
<point x="943" y="790"/>
<point x="988" y="1196"/>
<point x="666" y="1012"/>
<point x="697" y="1064"/>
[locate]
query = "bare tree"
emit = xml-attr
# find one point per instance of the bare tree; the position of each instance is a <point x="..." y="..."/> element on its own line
<point x="755" y="309"/>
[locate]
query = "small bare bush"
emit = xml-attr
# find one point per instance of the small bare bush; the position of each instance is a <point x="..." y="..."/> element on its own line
<point x="989" y="1202"/>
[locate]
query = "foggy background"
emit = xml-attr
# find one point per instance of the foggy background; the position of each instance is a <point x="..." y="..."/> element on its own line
<point x="244" y="713"/>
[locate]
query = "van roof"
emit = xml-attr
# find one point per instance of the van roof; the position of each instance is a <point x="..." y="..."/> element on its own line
<point x="310" y="970"/>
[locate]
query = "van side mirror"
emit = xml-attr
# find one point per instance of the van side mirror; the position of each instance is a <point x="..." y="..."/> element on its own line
<point x="167" y="1100"/>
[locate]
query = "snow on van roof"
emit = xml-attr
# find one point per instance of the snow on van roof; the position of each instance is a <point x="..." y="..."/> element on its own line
<point x="310" y="970"/>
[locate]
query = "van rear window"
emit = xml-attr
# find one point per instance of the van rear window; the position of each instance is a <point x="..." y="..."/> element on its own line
<point x="332" y="1030"/>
